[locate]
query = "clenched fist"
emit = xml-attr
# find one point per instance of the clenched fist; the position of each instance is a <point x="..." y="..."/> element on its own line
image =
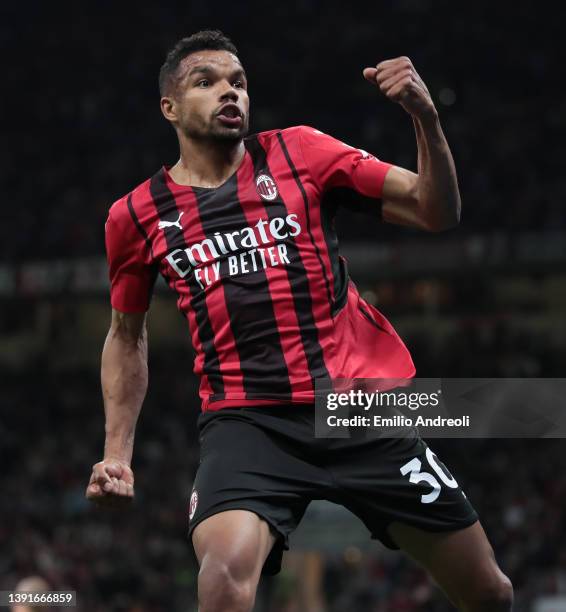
<point x="400" y="82"/>
<point x="111" y="483"/>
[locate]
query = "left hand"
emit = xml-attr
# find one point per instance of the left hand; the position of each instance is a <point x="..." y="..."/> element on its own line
<point x="111" y="483"/>
<point x="400" y="82"/>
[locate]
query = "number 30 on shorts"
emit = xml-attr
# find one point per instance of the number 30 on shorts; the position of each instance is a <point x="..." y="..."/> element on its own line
<point x="413" y="468"/>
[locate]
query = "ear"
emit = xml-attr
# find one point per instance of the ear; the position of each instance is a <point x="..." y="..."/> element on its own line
<point x="169" y="108"/>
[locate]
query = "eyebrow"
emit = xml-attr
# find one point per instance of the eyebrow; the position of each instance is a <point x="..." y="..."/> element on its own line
<point x="204" y="69"/>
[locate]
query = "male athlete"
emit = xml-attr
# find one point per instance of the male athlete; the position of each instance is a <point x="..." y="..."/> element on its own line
<point x="241" y="227"/>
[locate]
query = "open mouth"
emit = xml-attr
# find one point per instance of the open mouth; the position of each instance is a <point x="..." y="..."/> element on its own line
<point x="230" y="115"/>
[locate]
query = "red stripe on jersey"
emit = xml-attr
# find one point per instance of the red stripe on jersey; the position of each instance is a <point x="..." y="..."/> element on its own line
<point x="316" y="230"/>
<point x="317" y="275"/>
<point x="279" y="289"/>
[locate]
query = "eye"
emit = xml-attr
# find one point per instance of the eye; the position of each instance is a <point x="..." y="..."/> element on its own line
<point x="238" y="84"/>
<point x="203" y="83"/>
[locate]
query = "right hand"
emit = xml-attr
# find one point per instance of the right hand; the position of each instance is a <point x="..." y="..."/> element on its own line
<point x="111" y="483"/>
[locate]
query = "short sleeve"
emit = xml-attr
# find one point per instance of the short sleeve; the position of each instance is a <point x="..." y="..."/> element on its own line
<point x="131" y="277"/>
<point x="332" y="163"/>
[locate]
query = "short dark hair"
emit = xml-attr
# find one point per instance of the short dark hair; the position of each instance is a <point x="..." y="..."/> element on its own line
<point x="213" y="40"/>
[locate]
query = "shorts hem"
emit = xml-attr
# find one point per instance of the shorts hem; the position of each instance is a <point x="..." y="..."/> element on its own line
<point x="272" y="565"/>
<point x="384" y="537"/>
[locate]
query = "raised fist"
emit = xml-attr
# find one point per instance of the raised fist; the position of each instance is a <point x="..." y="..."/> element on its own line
<point x="399" y="81"/>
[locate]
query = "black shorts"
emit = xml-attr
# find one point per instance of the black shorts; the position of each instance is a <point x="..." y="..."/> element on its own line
<point x="267" y="460"/>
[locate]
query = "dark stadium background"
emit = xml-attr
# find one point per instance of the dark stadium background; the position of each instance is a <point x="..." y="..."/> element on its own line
<point x="81" y="126"/>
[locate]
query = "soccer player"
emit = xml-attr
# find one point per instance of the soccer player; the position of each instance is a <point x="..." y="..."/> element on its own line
<point x="242" y="229"/>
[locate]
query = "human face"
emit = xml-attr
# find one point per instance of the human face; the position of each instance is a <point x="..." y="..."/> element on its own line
<point x="210" y="101"/>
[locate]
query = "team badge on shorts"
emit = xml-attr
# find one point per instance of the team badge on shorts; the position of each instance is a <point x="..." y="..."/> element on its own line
<point x="266" y="187"/>
<point x="193" y="504"/>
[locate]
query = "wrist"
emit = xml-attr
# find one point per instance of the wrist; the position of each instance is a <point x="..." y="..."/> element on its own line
<point x="119" y="456"/>
<point x="119" y="448"/>
<point x="428" y="117"/>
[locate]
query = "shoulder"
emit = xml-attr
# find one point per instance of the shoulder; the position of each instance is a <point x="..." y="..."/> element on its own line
<point x="125" y="208"/>
<point x="301" y="141"/>
<point x="119" y="209"/>
<point x="296" y="134"/>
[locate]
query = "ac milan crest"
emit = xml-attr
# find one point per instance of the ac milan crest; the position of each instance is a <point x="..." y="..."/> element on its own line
<point x="193" y="504"/>
<point x="266" y="187"/>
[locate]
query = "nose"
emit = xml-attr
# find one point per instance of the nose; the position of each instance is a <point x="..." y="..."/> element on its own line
<point x="229" y="93"/>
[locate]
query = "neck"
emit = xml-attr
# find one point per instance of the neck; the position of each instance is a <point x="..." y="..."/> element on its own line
<point x="205" y="163"/>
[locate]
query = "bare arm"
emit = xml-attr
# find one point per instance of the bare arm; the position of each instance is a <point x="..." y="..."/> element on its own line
<point x="124" y="382"/>
<point x="429" y="200"/>
<point x="124" y="379"/>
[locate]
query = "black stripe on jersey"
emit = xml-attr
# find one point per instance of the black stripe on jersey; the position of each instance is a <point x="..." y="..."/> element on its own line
<point x="143" y="234"/>
<point x="374" y="323"/>
<point x="332" y="200"/>
<point x="328" y="208"/>
<point x="248" y="301"/>
<point x="167" y="210"/>
<point x="306" y="201"/>
<point x="138" y="225"/>
<point x="296" y="273"/>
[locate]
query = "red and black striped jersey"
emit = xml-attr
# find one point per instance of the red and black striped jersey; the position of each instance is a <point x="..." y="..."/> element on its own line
<point x="255" y="266"/>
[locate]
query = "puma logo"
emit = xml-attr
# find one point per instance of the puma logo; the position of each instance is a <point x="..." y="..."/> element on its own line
<point x="164" y="224"/>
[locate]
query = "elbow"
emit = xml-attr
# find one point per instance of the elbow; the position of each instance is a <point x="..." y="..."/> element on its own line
<point x="443" y="225"/>
<point x="448" y="220"/>
<point x="128" y="329"/>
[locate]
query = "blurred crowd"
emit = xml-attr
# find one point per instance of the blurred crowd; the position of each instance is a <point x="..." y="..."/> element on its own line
<point x="85" y="126"/>
<point x="52" y="432"/>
